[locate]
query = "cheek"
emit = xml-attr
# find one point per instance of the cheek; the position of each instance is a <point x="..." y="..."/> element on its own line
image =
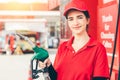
<point x="84" y="22"/>
<point x="69" y="24"/>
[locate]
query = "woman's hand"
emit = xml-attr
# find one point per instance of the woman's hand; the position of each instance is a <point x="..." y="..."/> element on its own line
<point x="44" y="64"/>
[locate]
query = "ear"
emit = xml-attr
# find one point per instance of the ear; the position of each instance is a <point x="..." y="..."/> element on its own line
<point x="88" y="20"/>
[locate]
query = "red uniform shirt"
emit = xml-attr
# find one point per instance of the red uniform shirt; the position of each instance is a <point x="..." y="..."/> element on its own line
<point x="89" y="61"/>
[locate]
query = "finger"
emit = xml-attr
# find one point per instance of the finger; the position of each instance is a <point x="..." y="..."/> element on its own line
<point x="47" y="62"/>
<point x="42" y="65"/>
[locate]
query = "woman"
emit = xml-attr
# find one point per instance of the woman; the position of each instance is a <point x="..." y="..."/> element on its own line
<point x="81" y="57"/>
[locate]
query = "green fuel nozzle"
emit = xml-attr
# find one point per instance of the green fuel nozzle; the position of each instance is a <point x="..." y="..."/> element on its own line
<point x="40" y="54"/>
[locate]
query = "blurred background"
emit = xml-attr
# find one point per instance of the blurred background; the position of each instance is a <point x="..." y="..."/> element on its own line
<point x="42" y="21"/>
<point x="39" y="20"/>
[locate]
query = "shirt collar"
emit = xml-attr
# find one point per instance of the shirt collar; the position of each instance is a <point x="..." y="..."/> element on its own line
<point x="92" y="42"/>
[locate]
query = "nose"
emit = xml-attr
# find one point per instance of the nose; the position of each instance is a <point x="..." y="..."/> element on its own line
<point x="75" y="21"/>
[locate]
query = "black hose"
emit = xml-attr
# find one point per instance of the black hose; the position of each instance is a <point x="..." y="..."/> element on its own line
<point x="119" y="30"/>
<point x="119" y="71"/>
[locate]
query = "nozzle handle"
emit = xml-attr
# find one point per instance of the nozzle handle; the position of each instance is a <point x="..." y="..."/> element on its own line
<point x="41" y="54"/>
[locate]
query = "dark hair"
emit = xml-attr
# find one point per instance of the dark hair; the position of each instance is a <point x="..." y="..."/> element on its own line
<point x="86" y="13"/>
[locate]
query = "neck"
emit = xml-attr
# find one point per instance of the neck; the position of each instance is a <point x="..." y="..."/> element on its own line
<point x="81" y="38"/>
<point x="80" y="41"/>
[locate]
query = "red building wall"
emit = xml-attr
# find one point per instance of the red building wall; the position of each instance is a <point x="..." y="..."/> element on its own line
<point x="93" y="17"/>
<point x="107" y="19"/>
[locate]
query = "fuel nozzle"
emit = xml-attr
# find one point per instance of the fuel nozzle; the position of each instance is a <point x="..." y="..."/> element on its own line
<point x="40" y="55"/>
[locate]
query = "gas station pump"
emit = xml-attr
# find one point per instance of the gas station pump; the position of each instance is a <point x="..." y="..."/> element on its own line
<point x="107" y="32"/>
<point x="115" y="41"/>
<point x="40" y="55"/>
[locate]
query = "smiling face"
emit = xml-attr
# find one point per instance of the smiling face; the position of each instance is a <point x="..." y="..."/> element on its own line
<point x="77" y="21"/>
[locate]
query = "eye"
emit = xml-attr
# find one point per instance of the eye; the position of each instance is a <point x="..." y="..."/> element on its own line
<point x="70" y="19"/>
<point x="80" y="17"/>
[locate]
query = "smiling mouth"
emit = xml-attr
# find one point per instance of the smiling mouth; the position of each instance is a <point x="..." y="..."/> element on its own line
<point x="77" y="27"/>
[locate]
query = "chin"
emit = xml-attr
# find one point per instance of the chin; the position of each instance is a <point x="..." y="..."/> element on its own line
<point x="77" y="33"/>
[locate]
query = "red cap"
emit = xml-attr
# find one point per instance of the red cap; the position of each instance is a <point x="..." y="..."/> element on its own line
<point x="75" y="4"/>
